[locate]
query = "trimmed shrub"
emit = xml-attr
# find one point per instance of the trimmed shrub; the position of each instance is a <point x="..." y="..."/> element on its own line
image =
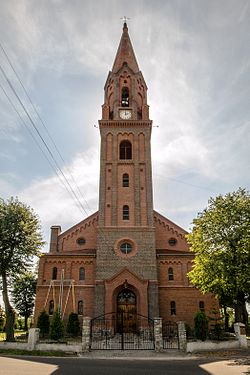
<point x="56" y="331"/>
<point x="73" y="326"/>
<point x="201" y="326"/>
<point x="43" y="323"/>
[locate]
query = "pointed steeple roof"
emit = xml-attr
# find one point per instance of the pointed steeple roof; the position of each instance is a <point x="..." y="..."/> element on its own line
<point x="125" y="53"/>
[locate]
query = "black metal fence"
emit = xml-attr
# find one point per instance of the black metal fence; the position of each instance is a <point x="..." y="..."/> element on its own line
<point x="122" y="331"/>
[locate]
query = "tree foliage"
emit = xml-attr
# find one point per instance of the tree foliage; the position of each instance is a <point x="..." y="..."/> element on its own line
<point x="56" y="331"/>
<point x="43" y="323"/>
<point x="23" y="295"/>
<point x="220" y="240"/>
<point x="73" y="326"/>
<point x="201" y="326"/>
<point x="20" y="241"/>
<point x="2" y="319"/>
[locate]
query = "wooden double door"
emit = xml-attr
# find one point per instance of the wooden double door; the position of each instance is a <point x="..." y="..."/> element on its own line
<point x="126" y="311"/>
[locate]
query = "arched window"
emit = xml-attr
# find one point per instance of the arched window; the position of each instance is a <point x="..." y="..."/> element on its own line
<point x="125" y="212"/>
<point x="125" y="150"/>
<point x="80" y="308"/>
<point x="125" y="180"/>
<point x="125" y="97"/>
<point x="54" y="273"/>
<point x="51" y="307"/>
<point x="172" y="308"/>
<point x="81" y="273"/>
<point x="202" y="306"/>
<point x="170" y="273"/>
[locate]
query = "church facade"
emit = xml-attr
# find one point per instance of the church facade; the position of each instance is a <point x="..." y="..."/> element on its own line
<point x="126" y="256"/>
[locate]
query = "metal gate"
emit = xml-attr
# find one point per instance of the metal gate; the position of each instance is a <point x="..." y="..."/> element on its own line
<point x="170" y="335"/>
<point x="122" y="331"/>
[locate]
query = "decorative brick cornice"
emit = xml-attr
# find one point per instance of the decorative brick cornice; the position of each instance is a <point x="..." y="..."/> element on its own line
<point x="77" y="229"/>
<point x="169" y="225"/>
<point x="124" y="124"/>
<point x="61" y="258"/>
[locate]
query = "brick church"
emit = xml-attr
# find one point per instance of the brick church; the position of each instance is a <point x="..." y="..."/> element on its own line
<point x="126" y="256"/>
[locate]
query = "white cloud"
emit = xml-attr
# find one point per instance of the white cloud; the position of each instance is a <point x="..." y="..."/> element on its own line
<point x="195" y="59"/>
<point x="52" y="202"/>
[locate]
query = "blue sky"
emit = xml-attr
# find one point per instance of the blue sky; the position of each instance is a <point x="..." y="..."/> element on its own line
<point x="195" y="58"/>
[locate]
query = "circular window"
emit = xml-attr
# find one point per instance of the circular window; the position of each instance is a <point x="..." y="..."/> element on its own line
<point x="81" y="241"/>
<point x="172" y="241"/>
<point x="126" y="248"/>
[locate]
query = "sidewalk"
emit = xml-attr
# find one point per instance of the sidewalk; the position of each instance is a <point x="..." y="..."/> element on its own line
<point x="237" y="354"/>
<point x="136" y="354"/>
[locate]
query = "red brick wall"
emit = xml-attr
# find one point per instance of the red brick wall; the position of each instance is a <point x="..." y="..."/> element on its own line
<point x="187" y="303"/>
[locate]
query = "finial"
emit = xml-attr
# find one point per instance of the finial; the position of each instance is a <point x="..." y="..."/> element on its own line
<point x="125" y="19"/>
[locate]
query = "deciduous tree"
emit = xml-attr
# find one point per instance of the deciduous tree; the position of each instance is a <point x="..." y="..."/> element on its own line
<point x="20" y="241"/>
<point x="23" y="295"/>
<point x="220" y="240"/>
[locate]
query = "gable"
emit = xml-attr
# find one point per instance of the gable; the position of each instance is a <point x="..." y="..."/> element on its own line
<point x="86" y="229"/>
<point x="168" y="235"/>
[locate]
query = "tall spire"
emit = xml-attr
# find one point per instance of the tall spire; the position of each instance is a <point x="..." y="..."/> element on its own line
<point x="125" y="52"/>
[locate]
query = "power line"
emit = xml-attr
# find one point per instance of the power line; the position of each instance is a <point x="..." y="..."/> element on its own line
<point x="70" y="190"/>
<point x="33" y="137"/>
<point x="44" y="125"/>
<point x="43" y="141"/>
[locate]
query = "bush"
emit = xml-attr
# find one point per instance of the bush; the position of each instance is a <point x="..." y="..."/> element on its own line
<point x="56" y="331"/>
<point x="2" y="323"/>
<point x="216" y="324"/>
<point x="201" y="326"/>
<point x="73" y="326"/>
<point x="43" y="323"/>
<point x="189" y="332"/>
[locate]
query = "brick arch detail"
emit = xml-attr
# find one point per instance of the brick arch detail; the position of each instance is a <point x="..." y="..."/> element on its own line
<point x="114" y="285"/>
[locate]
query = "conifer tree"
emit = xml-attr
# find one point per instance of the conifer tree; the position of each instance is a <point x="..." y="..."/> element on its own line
<point x="73" y="326"/>
<point x="43" y="323"/>
<point x="56" y="331"/>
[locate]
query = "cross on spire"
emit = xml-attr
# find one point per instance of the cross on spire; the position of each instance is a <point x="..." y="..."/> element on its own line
<point x="125" y="19"/>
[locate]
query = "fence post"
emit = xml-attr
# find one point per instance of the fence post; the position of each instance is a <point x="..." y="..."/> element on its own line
<point x="158" y="334"/>
<point x="182" y="335"/>
<point x="86" y="333"/>
<point x="240" y="331"/>
<point x="33" y="338"/>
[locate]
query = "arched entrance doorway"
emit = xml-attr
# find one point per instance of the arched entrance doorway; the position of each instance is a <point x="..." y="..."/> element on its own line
<point x="126" y="311"/>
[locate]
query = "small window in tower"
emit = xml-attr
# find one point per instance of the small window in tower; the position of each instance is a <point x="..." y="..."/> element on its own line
<point x="125" y="150"/>
<point x="125" y="212"/>
<point x="170" y="273"/>
<point x="125" y="180"/>
<point x="126" y="248"/>
<point x="125" y="97"/>
<point x="172" y="308"/>
<point x="51" y="307"/>
<point x="54" y="273"/>
<point x="80" y="308"/>
<point x="202" y="306"/>
<point x="81" y="273"/>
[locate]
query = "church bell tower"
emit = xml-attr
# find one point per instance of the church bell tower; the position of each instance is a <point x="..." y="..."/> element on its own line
<point x="126" y="255"/>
